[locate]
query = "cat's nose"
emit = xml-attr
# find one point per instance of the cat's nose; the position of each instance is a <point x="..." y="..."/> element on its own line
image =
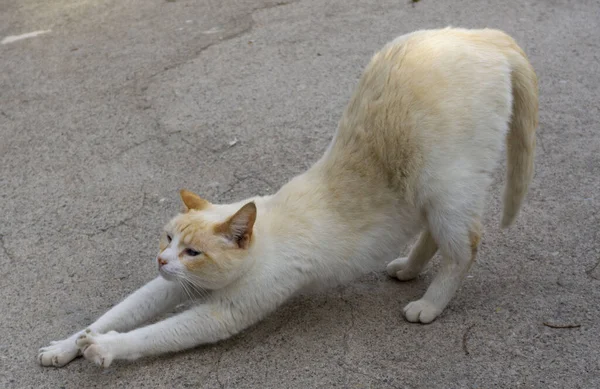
<point x="161" y="262"/>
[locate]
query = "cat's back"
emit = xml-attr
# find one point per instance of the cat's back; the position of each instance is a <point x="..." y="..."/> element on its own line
<point x="427" y="89"/>
<point x="437" y="73"/>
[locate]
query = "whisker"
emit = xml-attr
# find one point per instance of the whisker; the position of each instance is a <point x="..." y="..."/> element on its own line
<point x="183" y="286"/>
<point x="200" y="291"/>
<point x="194" y="286"/>
<point x="190" y="284"/>
<point x="192" y="291"/>
<point x="190" y="287"/>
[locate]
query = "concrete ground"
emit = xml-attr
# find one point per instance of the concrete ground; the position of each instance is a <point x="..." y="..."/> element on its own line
<point x="120" y="104"/>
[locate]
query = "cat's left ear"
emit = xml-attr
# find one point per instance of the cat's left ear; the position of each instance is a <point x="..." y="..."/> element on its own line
<point x="192" y="201"/>
<point x="238" y="228"/>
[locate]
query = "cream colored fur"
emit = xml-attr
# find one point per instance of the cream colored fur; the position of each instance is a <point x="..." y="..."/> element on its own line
<point x="414" y="152"/>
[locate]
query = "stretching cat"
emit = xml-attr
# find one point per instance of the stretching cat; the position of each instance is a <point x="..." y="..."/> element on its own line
<point x="414" y="152"/>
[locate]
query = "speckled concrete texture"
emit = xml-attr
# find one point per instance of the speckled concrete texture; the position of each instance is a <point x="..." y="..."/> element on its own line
<point x="106" y="116"/>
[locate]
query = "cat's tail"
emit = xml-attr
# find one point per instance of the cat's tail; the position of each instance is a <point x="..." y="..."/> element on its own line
<point x="520" y="142"/>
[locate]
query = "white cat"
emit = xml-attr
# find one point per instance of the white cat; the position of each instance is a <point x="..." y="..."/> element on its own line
<point x="414" y="152"/>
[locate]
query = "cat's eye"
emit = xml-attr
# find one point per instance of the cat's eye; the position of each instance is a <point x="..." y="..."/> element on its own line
<point x="169" y="239"/>
<point x="192" y="253"/>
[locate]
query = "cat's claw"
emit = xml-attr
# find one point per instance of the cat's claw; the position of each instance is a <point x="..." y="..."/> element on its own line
<point x="421" y="311"/>
<point x="92" y="349"/>
<point x="59" y="353"/>
<point x="399" y="268"/>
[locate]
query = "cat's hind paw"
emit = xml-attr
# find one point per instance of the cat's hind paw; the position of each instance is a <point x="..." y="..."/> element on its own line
<point x="91" y="346"/>
<point x="59" y="353"/>
<point x="400" y="268"/>
<point x="421" y="311"/>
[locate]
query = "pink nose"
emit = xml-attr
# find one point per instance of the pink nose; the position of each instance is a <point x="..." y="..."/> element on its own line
<point x="161" y="262"/>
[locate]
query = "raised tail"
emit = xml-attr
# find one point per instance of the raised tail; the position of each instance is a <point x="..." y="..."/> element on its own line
<point x="520" y="142"/>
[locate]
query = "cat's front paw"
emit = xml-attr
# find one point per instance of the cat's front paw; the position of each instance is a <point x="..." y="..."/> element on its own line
<point x="421" y="311"/>
<point x="59" y="353"/>
<point x="95" y="347"/>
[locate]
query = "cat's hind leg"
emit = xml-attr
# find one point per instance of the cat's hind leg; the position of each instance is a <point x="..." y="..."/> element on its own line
<point x="457" y="231"/>
<point x="407" y="268"/>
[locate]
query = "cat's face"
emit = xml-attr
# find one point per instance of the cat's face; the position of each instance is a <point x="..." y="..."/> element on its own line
<point x="208" y="244"/>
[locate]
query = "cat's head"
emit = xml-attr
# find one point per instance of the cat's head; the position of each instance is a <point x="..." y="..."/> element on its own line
<point x="207" y="245"/>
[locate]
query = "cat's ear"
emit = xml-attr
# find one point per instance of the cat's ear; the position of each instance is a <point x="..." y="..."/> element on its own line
<point x="192" y="201"/>
<point x="238" y="228"/>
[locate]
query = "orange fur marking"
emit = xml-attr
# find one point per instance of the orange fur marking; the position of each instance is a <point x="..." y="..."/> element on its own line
<point x="239" y="226"/>
<point x="475" y="238"/>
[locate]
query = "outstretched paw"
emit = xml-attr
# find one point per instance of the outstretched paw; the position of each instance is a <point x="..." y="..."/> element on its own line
<point x="401" y="269"/>
<point x="93" y="349"/>
<point x="421" y="311"/>
<point x="59" y="353"/>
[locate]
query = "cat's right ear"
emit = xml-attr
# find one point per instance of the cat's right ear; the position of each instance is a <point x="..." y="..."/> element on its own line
<point x="192" y="201"/>
<point x="238" y="228"/>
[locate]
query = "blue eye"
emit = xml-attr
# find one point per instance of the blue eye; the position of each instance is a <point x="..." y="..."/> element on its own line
<point x="192" y="253"/>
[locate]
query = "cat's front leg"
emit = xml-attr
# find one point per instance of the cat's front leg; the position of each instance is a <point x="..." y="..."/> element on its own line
<point x="201" y="324"/>
<point x="145" y="303"/>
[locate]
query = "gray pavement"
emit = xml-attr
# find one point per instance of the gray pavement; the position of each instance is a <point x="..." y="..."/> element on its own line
<point x="120" y="104"/>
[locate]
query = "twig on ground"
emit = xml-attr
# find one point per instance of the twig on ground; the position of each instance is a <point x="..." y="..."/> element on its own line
<point x="551" y="325"/>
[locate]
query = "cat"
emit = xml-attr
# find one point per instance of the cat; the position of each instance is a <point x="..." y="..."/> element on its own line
<point x="413" y="153"/>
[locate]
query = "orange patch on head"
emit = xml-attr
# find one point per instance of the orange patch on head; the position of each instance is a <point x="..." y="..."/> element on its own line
<point x="192" y="230"/>
<point x="199" y="262"/>
<point x="208" y="243"/>
<point x="198" y="234"/>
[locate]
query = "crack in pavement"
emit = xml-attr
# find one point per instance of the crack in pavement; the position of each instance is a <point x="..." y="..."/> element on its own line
<point x="156" y="126"/>
<point x="343" y="362"/>
<point x="540" y="139"/>
<point x="239" y="180"/>
<point x="133" y="146"/>
<point x="591" y="271"/>
<point x="159" y="138"/>
<point x="3" y="244"/>
<point x="257" y="178"/>
<point x="353" y="369"/>
<point x="217" y="367"/>
<point x="242" y="24"/>
<point x="201" y="50"/>
<point x="122" y="222"/>
<point x="350" y="328"/>
<point x="465" y="339"/>
<point x="246" y="19"/>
